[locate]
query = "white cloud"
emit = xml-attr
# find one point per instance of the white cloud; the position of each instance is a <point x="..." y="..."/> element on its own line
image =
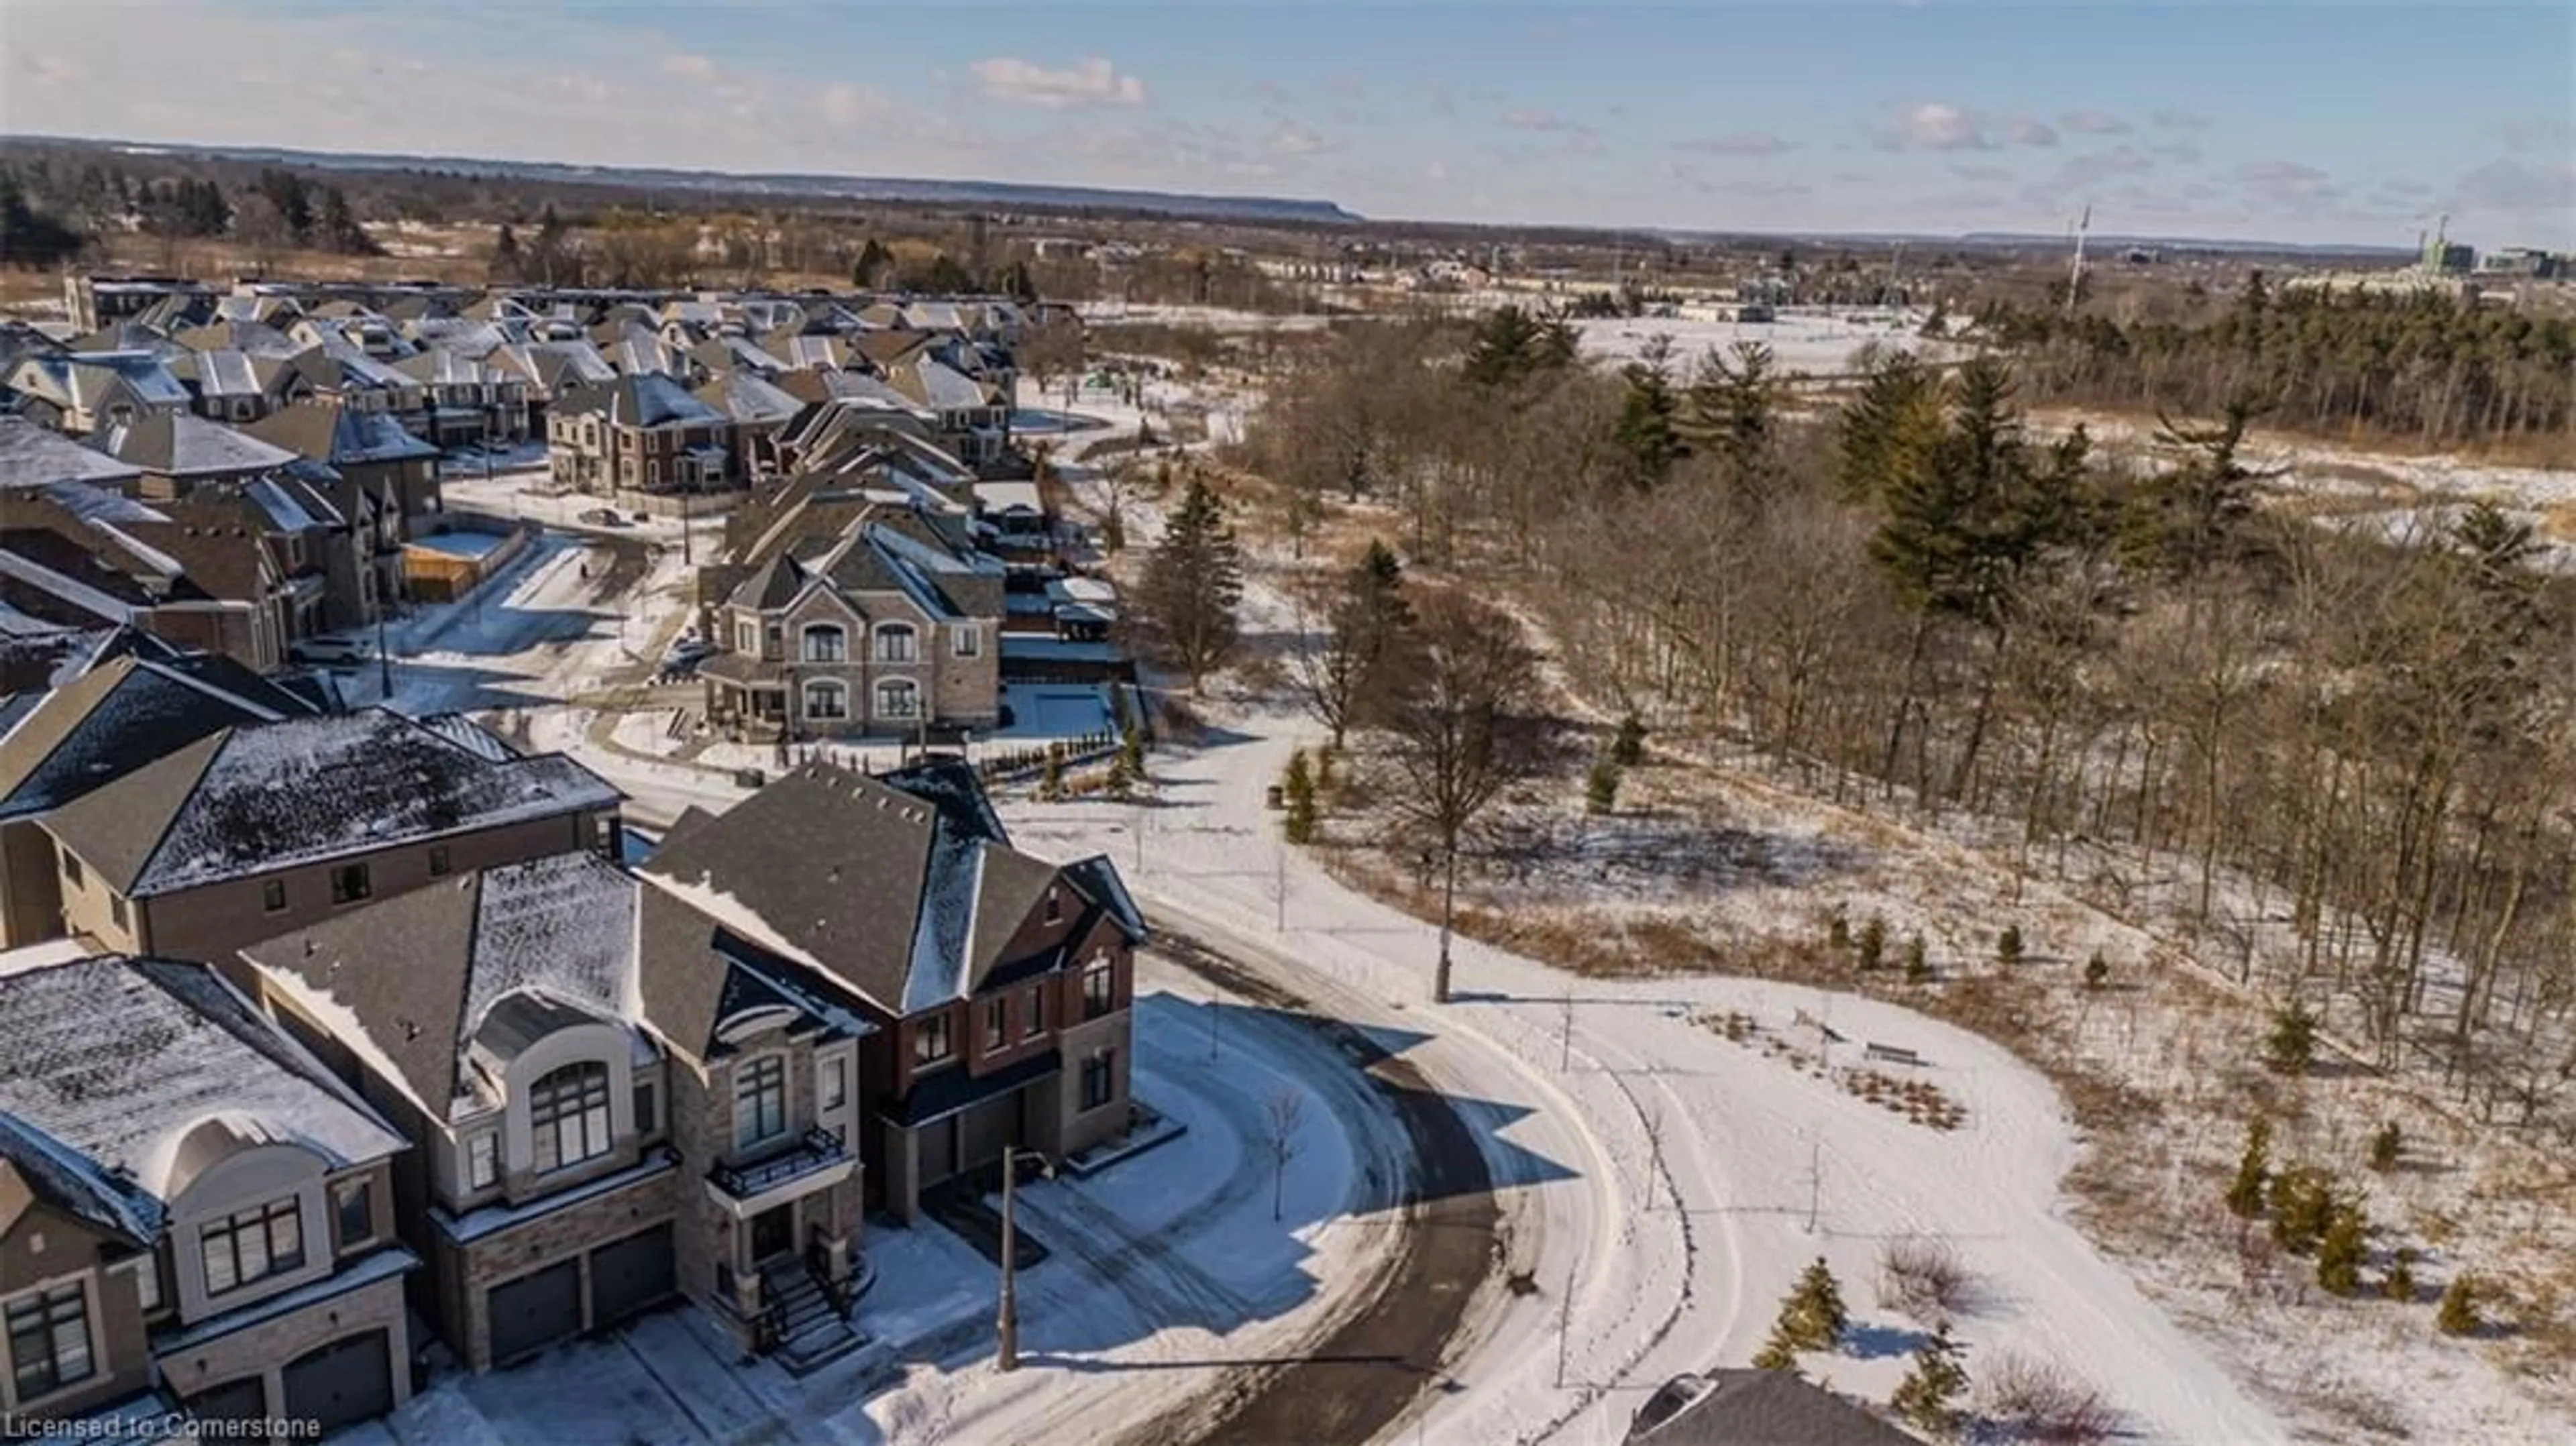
<point x="846" y="104"/>
<point x="1738" y="143"/>
<point x="2520" y="188"/>
<point x="2093" y="123"/>
<point x="689" y="67"/>
<point x="1933" y="126"/>
<point x="1091" y="81"/>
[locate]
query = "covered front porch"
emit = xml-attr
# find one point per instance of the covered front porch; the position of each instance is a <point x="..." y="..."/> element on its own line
<point x="953" y="1123"/>
<point x="788" y="1267"/>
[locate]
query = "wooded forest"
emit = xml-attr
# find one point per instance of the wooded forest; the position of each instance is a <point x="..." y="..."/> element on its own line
<point x="2348" y="761"/>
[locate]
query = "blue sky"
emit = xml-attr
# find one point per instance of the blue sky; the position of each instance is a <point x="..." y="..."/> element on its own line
<point x="2348" y="121"/>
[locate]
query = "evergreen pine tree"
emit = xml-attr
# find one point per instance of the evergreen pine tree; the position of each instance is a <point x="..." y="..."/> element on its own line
<point x="2097" y="971"/>
<point x="1193" y="584"/>
<point x="1051" y="783"/>
<point x="1647" y="429"/>
<point x="1732" y="411"/>
<point x="2343" y="1248"/>
<point x="1918" y="963"/>
<point x="1928" y="1397"/>
<point x="2253" y="1171"/>
<point x="1777" y="1353"/>
<point x="1838" y="931"/>
<point x="2292" y="1044"/>
<point x="2008" y="945"/>
<point x="1298" y="792"/>
<point x="2458" y="1314"/>
<point x="507" y="263"/>
<point x="874" y="261"/>
<point x="1628" y="745"/>
<point x="1873" y="943"/>
<point x="2386" y="1146"/>
<point x="2399" y="1283"/>
<point x="1601" y="786"/>
<point x="2303" y="1206"/>
<point x="1813" y="1317"/>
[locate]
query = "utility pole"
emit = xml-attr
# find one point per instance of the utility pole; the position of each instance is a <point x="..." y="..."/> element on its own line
<point x="1815" y="1179"/>
<point x="1565" y="1036"/>
<point x="2075" y="278"/>
<point x="1006" y="1319"/>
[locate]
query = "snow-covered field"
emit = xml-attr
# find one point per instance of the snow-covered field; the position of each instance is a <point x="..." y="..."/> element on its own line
<point x="1817" y="343"/>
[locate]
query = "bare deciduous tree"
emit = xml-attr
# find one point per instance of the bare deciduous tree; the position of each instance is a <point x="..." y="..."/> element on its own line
<point x="1283" y="1114"/>
<point x="1464" y="725"/>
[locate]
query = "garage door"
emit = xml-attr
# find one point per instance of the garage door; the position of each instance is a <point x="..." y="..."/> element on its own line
<point x="937" y="1142"/>
<point x="242" y="1400"/>
<point x="630" y="1274"/>
<point x="535" y="1311"/>
<point x="988" y="1129"/>
<point x="346" y="1381"/>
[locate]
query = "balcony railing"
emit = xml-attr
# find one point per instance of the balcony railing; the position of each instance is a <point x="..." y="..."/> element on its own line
<point x="816" y="1149"/>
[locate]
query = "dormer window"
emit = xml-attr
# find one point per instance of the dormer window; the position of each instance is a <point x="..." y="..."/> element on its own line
<point x="251" y="1246"/>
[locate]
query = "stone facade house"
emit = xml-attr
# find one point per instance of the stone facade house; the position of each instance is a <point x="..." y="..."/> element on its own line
<point x="80" y="392"/>
<point x="888" y="628"/>
<point x="986" y="992"/>
<point x="492" y="1021"/>
<point x="188" y="1202"/>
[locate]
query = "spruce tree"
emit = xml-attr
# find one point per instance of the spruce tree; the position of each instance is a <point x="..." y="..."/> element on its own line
<point x="2343" y="1248"/>
<point x="1732" y="412"/>
<point x="2386" y="1146"/>
<point x="1777" y="1353"/>
<point x="2292" y="1044"/>
<point x="507" y="264"/>
<point x="1928" y="1397"/>
<point x="2097" y="971"/>
<point x="2253" y="1171"/>
<point x="1298" y="792"/>
<point x="2399" y="1283"/>
<point x="1647" y="429"/>
<point x="2458" y="1314"/>
<point x="1192" y="586"/>
<point x="1873" y="943"/>
<point x="1628" y="745"/>
<point x="1813" y="1317"/>
<point x="2303" y="1206"/>
<point x="1918" y="963"/>
<point x="1601" y="786"/>
<point x="2008" y="945"/>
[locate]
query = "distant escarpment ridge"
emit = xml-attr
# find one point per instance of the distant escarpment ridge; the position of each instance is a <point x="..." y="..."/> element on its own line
<point x="1000" y="195"/>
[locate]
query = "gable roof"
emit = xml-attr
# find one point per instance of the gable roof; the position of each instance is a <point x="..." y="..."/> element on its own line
<point x="183" y="444"/>
<point x="902" y="889"/>
<point x="645" y="399"/>
<point x="251" y="799"/>
<point x="340" y="435"/>
<point x="34" y="456"/>
<point x="1755" y="1408"/>
<point x="422" y="973"/>
<point x="120" y="1061"/>
<point x="120" y="716"/>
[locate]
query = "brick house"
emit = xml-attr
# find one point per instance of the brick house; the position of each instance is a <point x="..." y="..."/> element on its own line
<point x="643" y="433"/>
<point x="258" y="829"/>
<point x="188" y="1202"/>
<point x="984" y="993"/>
<point x="490" y="1020"/>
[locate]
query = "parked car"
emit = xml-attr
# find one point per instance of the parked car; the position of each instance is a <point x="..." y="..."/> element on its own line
<point x="604" y="517"/>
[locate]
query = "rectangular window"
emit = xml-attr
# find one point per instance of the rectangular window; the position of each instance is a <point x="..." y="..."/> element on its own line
<point x="966" y="641"/>
<point x="272" y="896"/>
<point x="1054" y="906"/>
<point x="930" y="1043"/>
<point x="997" y="1024"/>
<point x="349" y="884"/>
<point x="747" y="637"/>
<point x="1099" y="1079"/>
<point x="116" y="910"/>
<point x="894" y="645"/>
<point x="1099" y="990"/>
<point x="71" y="869"/>
<point x="836" y="1083"/>
<point x="647" y="1120"/>
<point x="568" y="1116"/>
<point x="49" y="1340"/>
<point x="760" y="1101"/>
<point x="438" y="861"/>
<point x="1033" y="1017"/>
<point x="253" y="1245"/>
<point x="355" y="1205"/>
<point x="147" y="1283"/>
<point x="482" y="1161"/>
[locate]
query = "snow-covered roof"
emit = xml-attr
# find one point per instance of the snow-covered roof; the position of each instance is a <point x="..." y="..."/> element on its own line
<point x="250" y="800"/>
<point x="182" y="444"/>
<point x="421" y="975"/>
<point x="135" y="1070"/>
<point x="34" y="456"/>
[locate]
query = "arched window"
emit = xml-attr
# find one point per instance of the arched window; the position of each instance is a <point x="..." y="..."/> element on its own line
<point x="826" y="701"/>
<point x="826" y="643"/>
<point x="568" y="1116"/>
<point x="898" y="698"/>
<point x="895" y="643"/>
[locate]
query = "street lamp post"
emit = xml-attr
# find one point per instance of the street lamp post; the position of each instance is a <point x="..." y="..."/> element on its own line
<point x="1006" y="1318"/>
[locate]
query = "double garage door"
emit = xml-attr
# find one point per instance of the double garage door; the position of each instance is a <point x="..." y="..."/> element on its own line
<point x="541" y="1308"/>
<point x="347" y="1381"/>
